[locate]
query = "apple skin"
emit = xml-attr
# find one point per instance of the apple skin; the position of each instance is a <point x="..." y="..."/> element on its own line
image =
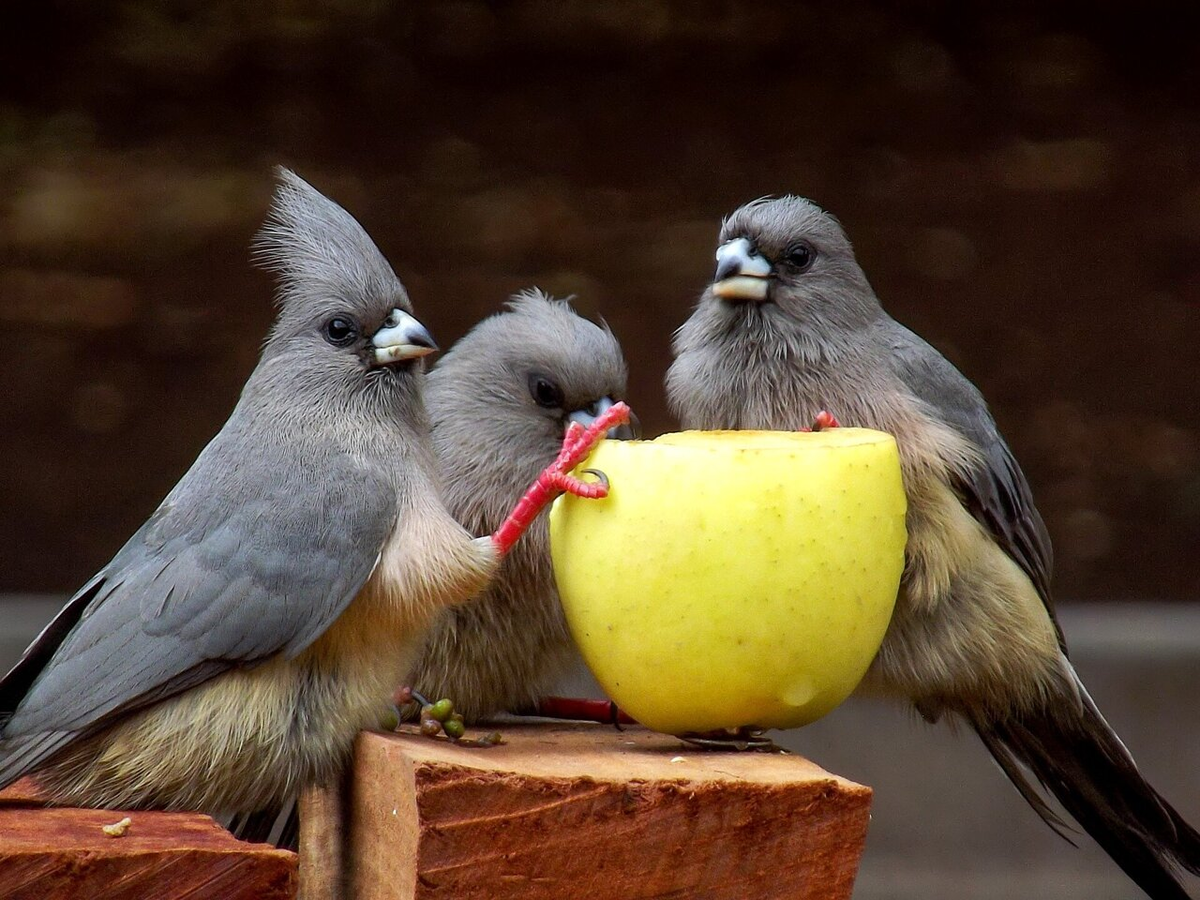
<point x="733" y="578"/>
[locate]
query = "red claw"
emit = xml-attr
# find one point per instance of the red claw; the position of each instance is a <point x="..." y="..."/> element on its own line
<point x="555" y="480"/>
<point x="825" y="419"/>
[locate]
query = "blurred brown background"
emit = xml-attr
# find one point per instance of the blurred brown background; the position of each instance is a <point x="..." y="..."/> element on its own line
<point x="1022" y="182"/>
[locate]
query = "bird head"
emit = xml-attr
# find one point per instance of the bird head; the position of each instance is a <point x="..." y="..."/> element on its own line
<point x="344" y="316"/>
<point x="508" y="390"/>
<point x="787" y="258"/>
<point x="572" y="369"/>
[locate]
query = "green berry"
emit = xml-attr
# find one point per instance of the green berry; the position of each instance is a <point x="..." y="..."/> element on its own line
<point x="455" y="729"/>
<point x="442" y="710"/>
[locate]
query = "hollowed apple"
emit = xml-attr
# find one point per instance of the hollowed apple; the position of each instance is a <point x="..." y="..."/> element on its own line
<point x="733" y="578"/>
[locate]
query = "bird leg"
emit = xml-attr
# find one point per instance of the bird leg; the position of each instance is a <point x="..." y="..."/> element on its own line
<point x="580" y="710"/>
<point x="555" y="479"/>
<point x="825" y="419"/>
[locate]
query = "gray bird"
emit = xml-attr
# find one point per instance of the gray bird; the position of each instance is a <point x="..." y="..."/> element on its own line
<point x="500" y="402"/>
<point x="790" y="327"/>
<point x="230" y="651"/>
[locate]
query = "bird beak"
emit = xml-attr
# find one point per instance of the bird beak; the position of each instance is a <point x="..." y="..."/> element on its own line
<point x="586" y="417"/>
<point x="401" y="337"/>
<point x="741" y="273"/>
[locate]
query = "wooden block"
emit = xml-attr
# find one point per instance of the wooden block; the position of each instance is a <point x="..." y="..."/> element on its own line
<point x="323" y="873"/>
<point x="587" y="811"/>
<point x="22" y="791"/>
<point x="48" y="854"/>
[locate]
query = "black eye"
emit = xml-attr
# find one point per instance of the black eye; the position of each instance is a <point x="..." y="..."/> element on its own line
<point x="340" y="331"/>
<point x="800" y="256"/>
<point x="545" y="392"/>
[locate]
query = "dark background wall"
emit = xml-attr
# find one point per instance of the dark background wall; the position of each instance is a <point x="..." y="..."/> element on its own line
<point x="1022" y="182"/>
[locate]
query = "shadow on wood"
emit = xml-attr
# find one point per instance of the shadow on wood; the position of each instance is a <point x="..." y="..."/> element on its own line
<point x="587" y="811"/>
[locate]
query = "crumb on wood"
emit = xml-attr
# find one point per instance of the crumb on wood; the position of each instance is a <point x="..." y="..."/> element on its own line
<point x="118" y="829"/>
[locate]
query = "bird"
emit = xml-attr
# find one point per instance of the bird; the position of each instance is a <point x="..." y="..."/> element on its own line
<point x="227" y="655"/>
<point x="789" y="330"/>
<point x="500" y="401"/>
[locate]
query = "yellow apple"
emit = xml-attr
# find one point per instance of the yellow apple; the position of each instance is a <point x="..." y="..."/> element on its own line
<point x="733" y="578"/>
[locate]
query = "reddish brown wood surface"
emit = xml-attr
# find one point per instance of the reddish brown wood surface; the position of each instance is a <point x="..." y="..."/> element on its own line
<point x="23" y="791"/>
<point x="48" y="854"/>
<point x="587" y="811"/>
<point x="323" y="873"/>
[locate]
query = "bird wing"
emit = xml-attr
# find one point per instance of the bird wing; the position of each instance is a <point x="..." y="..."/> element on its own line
<point x="1069" y="749"/>
<point x="996" y="493"/>
<point x="231" y="569"/>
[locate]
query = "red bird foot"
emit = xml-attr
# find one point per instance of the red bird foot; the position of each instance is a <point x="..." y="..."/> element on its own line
<point x="824" y="419"/>
<point x="555" y="479"/>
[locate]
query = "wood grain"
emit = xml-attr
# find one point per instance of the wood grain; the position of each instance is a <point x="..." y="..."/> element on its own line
<point x="48" y="854"/>
<point x="586" y="811"/>
<point x="323" y="874"/>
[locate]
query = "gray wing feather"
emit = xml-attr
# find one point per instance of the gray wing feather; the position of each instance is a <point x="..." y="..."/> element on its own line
<point x="228" y="572"/>
<point x="996" y="494"/>
<point x="15" y="685"/>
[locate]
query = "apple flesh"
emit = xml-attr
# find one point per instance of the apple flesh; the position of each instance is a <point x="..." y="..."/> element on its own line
<point x="733" y="578"/>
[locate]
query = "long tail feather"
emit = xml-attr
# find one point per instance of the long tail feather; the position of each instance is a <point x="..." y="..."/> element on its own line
<point x="22" y="755"/>
<point x="278" y="825"/>
<point x="1073" y="754"/>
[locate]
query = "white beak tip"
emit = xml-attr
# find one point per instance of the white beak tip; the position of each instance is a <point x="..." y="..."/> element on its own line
<point x="741" y="287"/>
<point x="398" y="352"/>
